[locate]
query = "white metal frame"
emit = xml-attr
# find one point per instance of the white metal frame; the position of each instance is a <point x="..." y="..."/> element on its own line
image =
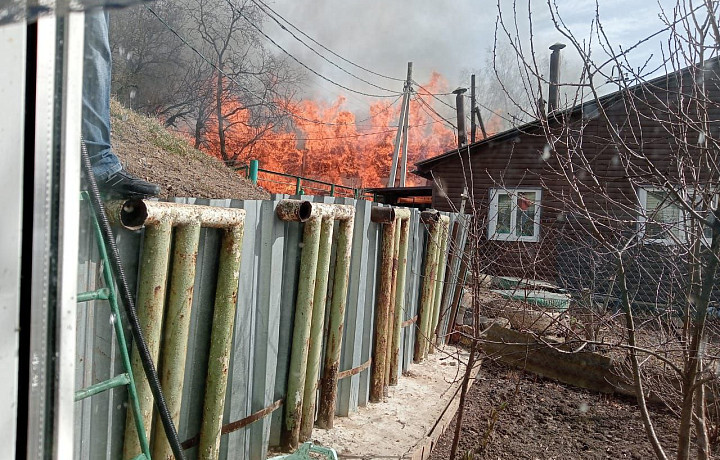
<point x="12" y="93"/>
<point x="493" y="214"/>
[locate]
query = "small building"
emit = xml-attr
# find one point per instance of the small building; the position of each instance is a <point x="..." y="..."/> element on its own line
<point x="610" y="166"/>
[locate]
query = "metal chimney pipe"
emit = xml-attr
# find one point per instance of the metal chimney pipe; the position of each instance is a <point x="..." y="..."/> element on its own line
<point x="553" y="93"/>
<point x="460" y="105"/>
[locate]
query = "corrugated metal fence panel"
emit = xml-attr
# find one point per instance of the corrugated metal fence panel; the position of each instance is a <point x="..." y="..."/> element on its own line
<point x="263" y="327"/>
<point x="358" y="307"/>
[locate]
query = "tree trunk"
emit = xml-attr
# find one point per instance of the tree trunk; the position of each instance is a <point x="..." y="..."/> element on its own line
<point x="697" y="347"/>
<point x="637" y="377"/>
<point x="219" y="113"/>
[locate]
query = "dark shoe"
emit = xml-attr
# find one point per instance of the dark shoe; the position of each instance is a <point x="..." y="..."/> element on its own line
<point x="122" y="184"/>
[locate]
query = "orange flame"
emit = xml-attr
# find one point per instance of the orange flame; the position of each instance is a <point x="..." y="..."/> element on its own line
<point x="330" y="145"/>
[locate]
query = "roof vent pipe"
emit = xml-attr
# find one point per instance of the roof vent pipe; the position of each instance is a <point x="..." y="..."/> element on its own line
<point x="554" y="93"/>
<point x="460" y="104"/>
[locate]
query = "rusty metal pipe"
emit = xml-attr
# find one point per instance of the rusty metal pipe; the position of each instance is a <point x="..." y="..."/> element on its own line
<point x="431" y="220"/>
<point x="391" y="306"/>
<point x="328" y="391"/>
<point x="439" y="283"/>
<point x="382" y="308"/>
<point x="382" y="214"/>
<point x="226" y="294"/>
<point x="177" y="328"/>
<point x="150" y="306"/>
<point x="134" y="214"/>
<point x="159" y="218"/>
<point x="399" y="298"/>
<point x="301" y="211"/>
<point x="316" y="330"/>
<point x="312" y="214"/>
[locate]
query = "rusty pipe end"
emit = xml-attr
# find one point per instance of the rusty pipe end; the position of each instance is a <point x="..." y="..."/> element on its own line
<point x="382" y="215"/>
<point x="294" y="210"/>
<point x="133" y="214"/>
<point x="429" y="217"/>
<point x="304" y="211"/>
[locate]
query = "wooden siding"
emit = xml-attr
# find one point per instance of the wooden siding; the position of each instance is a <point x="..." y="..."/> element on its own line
<point x="516" y="160"/>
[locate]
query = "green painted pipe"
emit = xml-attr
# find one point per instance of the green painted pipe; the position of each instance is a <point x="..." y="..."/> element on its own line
<point x="437" y="303"/>
<point x="254" y="165"/>
<point x="226" y="294"/>
<point x="114" y="382"/>
<point x="150" y="306"/>
<point x="301" y="333"/>
<point x="391" y="306"/>
<point x="328" y="392"/>
<point x="399" y="299"/>
<point x="430" y="219"/>
<point x="177" y="328"/>
<point x="382" y="308"/>
<point x="316" y="329"/>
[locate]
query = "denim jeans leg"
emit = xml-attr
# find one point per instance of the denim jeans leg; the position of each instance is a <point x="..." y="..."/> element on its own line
<point x="96" y="94"/>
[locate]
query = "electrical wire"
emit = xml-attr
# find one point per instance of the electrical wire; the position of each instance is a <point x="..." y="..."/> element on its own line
<point x="314" y="72"/>
<point x="323" y="46"/>
<point x="350" y="136"/>
<point x="231" y="78"/>
<point x="318" y="53"/>
<point x="424" y="104"/>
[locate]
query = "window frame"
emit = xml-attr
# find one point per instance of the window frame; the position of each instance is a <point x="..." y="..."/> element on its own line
<point x="494" y="196"/>
<point x="681" y="223"/>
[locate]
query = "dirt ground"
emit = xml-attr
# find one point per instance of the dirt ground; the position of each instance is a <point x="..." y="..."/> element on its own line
<point x="394" y="427"/>
<point x="149" y="151"/>
<point x="513" y="415"/>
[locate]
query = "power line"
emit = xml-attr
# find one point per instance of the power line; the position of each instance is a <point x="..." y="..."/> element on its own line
<point x="424" y="104"/>
<point x="350" y="136"/>
<point x="323" y="46"/>
<point x="316" y="52"/>
<point x="318" y="74"/>
<point x="240" y="85"/>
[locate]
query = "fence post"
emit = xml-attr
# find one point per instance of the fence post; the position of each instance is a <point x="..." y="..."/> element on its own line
<point x="298" y="186"/>
<point x="254" y="164"/>
<point x="332" y="190"/>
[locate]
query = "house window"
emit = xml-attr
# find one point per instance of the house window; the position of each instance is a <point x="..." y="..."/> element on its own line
<point x="514" y="214"/>
<point x="662" y="219"/>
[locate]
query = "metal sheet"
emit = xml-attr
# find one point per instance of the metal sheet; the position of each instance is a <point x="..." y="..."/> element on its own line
<point x="12" y="93"/>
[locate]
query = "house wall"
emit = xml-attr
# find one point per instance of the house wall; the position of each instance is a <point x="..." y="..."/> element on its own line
<point x="564" y="254"/>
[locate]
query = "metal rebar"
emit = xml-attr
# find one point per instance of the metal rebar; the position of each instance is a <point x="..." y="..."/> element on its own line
<point x="177" y="327"/>
<point x="316" y="330"/>
<point x="150" y="305"/>
<point x="328" y="392"/>
<point x="226" y="295"/>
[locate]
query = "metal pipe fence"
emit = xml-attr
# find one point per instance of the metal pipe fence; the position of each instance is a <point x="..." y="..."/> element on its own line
<point x="258" y="369"/>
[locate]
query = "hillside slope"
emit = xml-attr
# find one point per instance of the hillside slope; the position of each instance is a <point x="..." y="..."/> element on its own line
<point x="151" y="152"/>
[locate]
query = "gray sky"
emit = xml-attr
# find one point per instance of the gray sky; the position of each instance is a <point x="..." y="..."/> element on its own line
<point x="450" y="37"/>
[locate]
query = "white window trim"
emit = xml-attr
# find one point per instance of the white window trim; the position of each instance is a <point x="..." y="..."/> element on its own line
<point x="642" y="218"/>
<point x="493" y="214"/>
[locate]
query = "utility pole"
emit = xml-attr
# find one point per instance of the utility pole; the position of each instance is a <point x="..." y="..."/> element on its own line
<point x="402" y="126"/>
<point x="473" y="128"/>
<point x="403" y="172"/>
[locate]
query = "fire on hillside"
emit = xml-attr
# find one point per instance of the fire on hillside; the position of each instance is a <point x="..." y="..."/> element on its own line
<point x="329" y="144"/>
